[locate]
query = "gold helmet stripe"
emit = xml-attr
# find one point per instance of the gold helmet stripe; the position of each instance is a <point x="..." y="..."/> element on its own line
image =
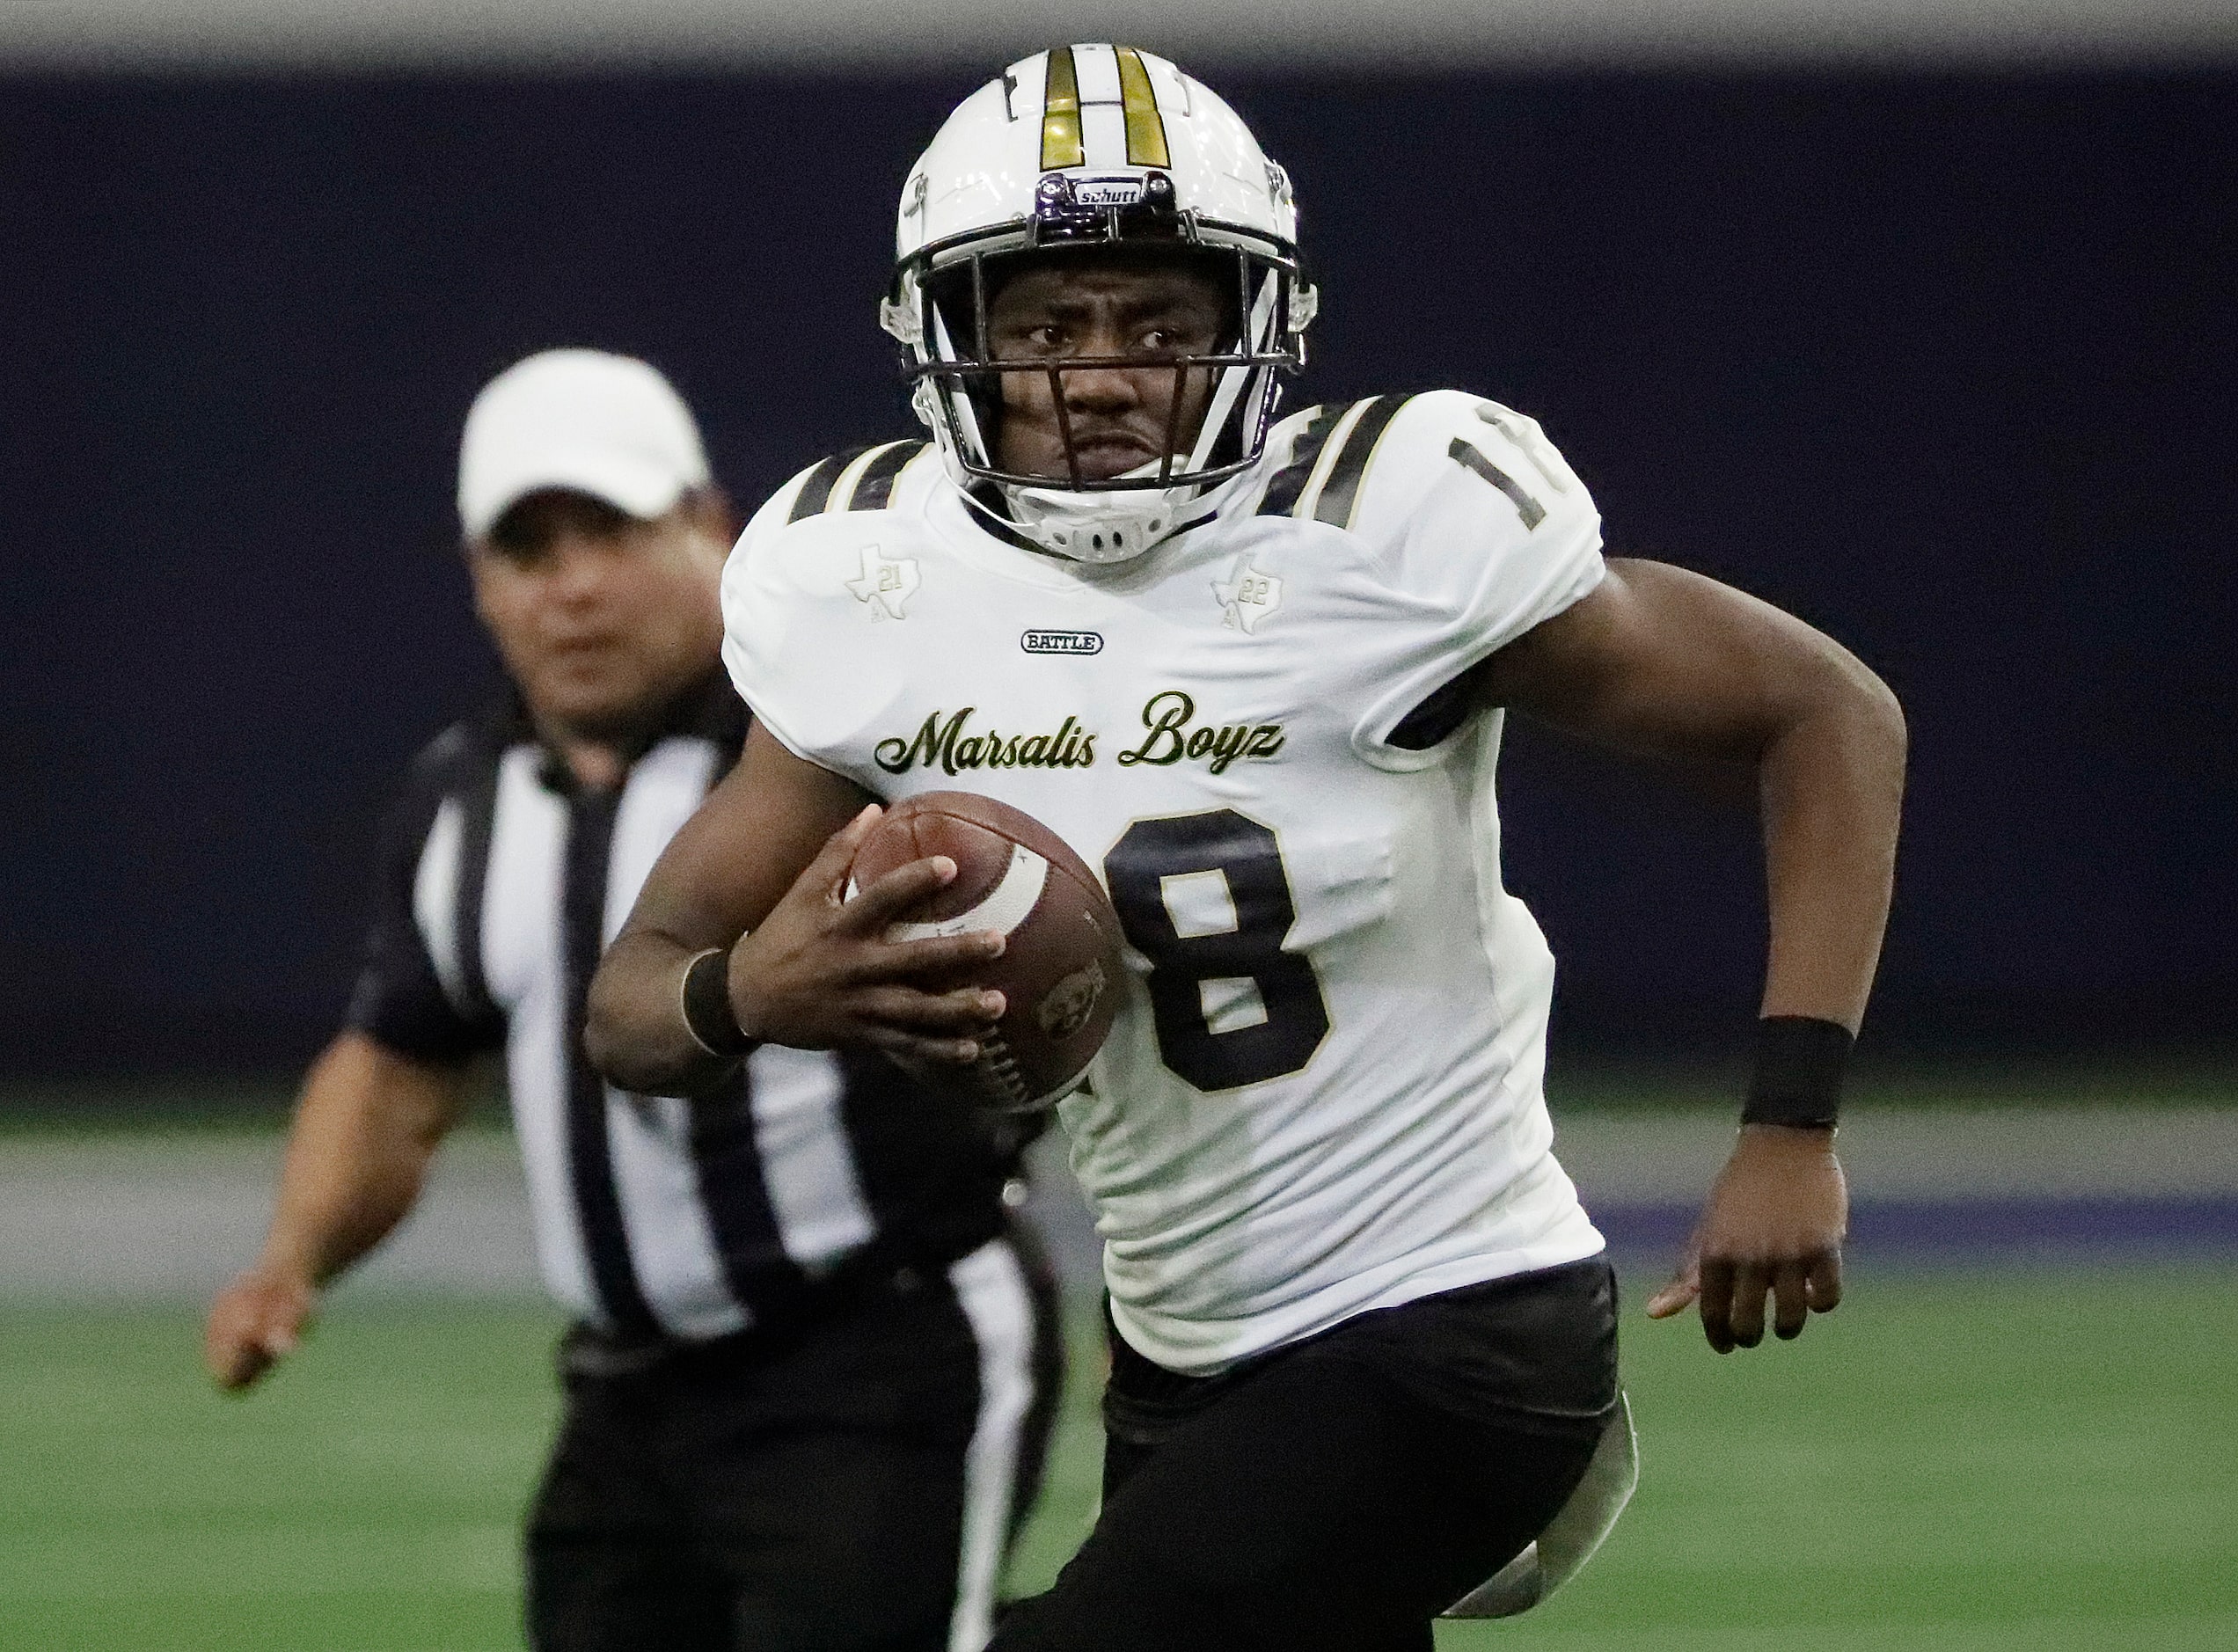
<point x="1145" y="127"/>
<point x="1061" y="144"/>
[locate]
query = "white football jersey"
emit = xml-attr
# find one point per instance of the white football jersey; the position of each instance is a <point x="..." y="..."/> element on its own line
<point x="1323" y="1092"/>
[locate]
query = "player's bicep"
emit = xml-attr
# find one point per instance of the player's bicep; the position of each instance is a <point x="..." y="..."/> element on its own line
<point x="735" y="859"/>
<point x="1659" y="660"/>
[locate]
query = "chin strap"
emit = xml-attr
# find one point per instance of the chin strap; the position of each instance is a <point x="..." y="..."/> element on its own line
<point x="1100" y="528"/>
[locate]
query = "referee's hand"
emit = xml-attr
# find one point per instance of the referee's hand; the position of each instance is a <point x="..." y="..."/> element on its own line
<point x="254" y="1324"/>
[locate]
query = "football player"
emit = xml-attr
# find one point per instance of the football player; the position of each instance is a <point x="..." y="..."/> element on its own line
<point x="1364" y="1334"/>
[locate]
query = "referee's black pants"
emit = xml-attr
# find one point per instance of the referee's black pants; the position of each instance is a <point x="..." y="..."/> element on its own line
<point x="1336" y="1494"/>
<point x="849" y="1484"/>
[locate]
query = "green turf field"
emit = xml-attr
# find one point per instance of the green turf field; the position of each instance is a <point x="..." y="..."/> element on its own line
<point x="1984" y="1463"/>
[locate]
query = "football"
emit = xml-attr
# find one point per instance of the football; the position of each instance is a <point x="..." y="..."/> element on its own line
<point x="1060" y="969"/>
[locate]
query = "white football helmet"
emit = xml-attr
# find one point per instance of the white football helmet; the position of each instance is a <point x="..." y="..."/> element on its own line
<point x="1094" y="146"/>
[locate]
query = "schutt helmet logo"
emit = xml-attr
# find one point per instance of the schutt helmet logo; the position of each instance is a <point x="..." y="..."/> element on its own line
<point x="1062" y="642"/>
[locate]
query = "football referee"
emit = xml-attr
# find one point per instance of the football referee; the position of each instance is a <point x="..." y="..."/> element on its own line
<point x="811" y="1372"/>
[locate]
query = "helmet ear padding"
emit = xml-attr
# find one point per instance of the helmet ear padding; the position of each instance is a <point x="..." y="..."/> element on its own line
<point x="956" y="313"/>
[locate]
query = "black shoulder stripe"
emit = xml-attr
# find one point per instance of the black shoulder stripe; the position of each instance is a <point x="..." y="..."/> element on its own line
<point x="1335" y="505"/>
<point x="1290" y="481"/>
<point x="815" y="492"/>
<point x="875" y="487"/>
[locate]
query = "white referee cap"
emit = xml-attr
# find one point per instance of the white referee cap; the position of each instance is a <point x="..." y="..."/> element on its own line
<point x="608" y="425"/>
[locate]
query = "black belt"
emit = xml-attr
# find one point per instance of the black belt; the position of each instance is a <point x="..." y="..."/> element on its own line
<point x="878" y="1269"/>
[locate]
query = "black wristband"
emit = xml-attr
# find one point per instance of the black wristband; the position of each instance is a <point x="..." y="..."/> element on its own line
<point x="1797" y="1080"/>
<point x="707" y="1015"/>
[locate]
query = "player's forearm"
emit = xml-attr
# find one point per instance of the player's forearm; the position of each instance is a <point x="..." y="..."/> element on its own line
<point x="636" y="1033"/>
<point x="1831" y="786"/>
<point x="365" y="1129"/>
<point x="720" y="876"/>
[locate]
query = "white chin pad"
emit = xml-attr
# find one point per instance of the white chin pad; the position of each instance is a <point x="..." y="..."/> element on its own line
<point x="1101" y="533"/>
<point x="1103" y="527"/>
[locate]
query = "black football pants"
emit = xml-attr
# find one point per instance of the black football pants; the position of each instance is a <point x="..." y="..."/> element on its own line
<point x="823" y="1490"/>
<point x="1337" y="1495"/>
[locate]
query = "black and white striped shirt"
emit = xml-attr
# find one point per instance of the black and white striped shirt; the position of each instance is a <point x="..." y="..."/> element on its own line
<point x="655" y="1218"/>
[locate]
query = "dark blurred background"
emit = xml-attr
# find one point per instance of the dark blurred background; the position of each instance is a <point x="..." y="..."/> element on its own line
<point x="1940" y="356"/>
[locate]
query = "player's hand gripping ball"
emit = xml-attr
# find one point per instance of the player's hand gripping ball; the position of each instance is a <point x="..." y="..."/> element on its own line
<point x="1060" y="973"/>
